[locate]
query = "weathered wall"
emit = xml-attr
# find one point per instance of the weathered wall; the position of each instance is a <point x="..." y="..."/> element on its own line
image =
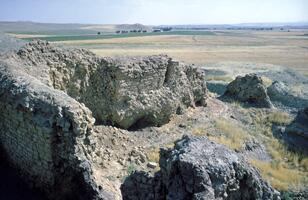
<point x="44" y="133"/>
<point x="124" y="92"/>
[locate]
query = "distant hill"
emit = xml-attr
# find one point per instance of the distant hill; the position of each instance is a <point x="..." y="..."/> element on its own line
<point x="303" y="25"/>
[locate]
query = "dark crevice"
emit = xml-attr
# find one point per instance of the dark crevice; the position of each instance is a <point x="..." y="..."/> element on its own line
<point x="140" y="124"/>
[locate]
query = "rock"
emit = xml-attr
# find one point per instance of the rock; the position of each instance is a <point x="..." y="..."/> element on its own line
<point x="279" y="92"/>
<point x="253" y="149"/>
<point x="142" y="185"/>
<point x="296" y="134"/>
<point x="198" y="168"/>
<point x="152" y="165"/>
<point x="250" y="89"/>
<point x="277" y="89"/>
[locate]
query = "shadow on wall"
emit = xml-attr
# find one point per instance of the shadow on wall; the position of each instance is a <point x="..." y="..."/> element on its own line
<point x="12" y="187"/>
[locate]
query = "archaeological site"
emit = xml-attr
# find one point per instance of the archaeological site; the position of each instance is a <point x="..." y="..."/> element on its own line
<point x="75" y="125"/>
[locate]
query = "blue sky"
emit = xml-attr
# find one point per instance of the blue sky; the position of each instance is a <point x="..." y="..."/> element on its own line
<point x="154" y="12"/>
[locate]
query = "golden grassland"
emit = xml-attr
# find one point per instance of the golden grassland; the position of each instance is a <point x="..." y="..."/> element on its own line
<point x="280" y="48"/>
<point x="288" y="49"/>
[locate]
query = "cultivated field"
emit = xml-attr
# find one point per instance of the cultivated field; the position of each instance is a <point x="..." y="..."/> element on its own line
<point x="287" y="49"/>
<point x="284" y="48"/>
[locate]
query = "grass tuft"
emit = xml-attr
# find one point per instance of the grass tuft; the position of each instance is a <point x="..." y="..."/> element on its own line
<point x="279" y="118"/>
<point x="153" y="155"/>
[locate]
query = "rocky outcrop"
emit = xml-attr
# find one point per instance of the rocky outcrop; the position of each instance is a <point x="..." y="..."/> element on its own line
<point x="125" y="92"/>
<point x="198" y="168"/>
<point x="249" y="89"/>
<point x="279" y="92"/>
<point x="296" y="134"/>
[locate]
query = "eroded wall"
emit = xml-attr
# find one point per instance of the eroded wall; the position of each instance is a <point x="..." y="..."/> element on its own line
<point x="45" y="135"/>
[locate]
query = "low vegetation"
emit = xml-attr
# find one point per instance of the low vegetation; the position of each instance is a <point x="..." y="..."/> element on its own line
<point x="199" y="131"/>
<point x="279" y="118"/>
<point x="288" y="170"/>
<point x="219" y="78"/>
<point x="233" y="135"/>
<point x="280" y="177"/>
<point x="153" y="155"/>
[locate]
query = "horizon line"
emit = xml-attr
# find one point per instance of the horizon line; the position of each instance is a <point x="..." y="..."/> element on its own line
<point x="194" y="24"/>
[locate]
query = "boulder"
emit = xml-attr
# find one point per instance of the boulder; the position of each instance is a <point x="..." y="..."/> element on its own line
<point x="250" y="89"/>
<point x="199" y="169"/>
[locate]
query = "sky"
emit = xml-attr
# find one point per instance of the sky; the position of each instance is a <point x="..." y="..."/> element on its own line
<point x="155" y="12"/>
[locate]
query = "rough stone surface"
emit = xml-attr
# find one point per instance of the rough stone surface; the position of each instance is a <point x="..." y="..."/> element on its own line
<point x="296" y="134"/>
<point x="42" y="131"/>
<point x="126" y="92"/>
<point x="279" y="92"/>
<point x="142" y="185"/>
<point x="250" y="89"/>
<point x="48" y="95"/>
<point x="199" y="169"/>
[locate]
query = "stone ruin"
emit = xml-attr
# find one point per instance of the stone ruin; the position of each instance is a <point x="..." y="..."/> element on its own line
<point x="51" y="98"/>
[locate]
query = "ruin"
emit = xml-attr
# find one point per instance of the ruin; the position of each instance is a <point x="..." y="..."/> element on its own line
<point x="51" y="98"/>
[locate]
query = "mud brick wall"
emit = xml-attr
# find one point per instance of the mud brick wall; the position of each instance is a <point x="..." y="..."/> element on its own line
<point x="44" y="134"/>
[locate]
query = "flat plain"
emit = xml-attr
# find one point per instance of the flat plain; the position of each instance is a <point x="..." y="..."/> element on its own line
<point x="289" y="49"/>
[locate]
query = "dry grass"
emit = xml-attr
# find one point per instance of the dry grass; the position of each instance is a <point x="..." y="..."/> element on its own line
<point x="153" y="155"/>
<point x="288" y="169"/>
<point x="279" y="118"/>
<point x="219" y="78"/>
<point x="199" y="131"/>
<point x="234" y="136"/>
<point x="280" y="177"/>
<point x="281" y="154"/>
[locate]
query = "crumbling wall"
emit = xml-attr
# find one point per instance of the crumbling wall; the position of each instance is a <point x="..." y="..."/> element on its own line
<point x="46" y="98"/>
<point x="44" y="134"/>
<point x="125" y="92"/>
